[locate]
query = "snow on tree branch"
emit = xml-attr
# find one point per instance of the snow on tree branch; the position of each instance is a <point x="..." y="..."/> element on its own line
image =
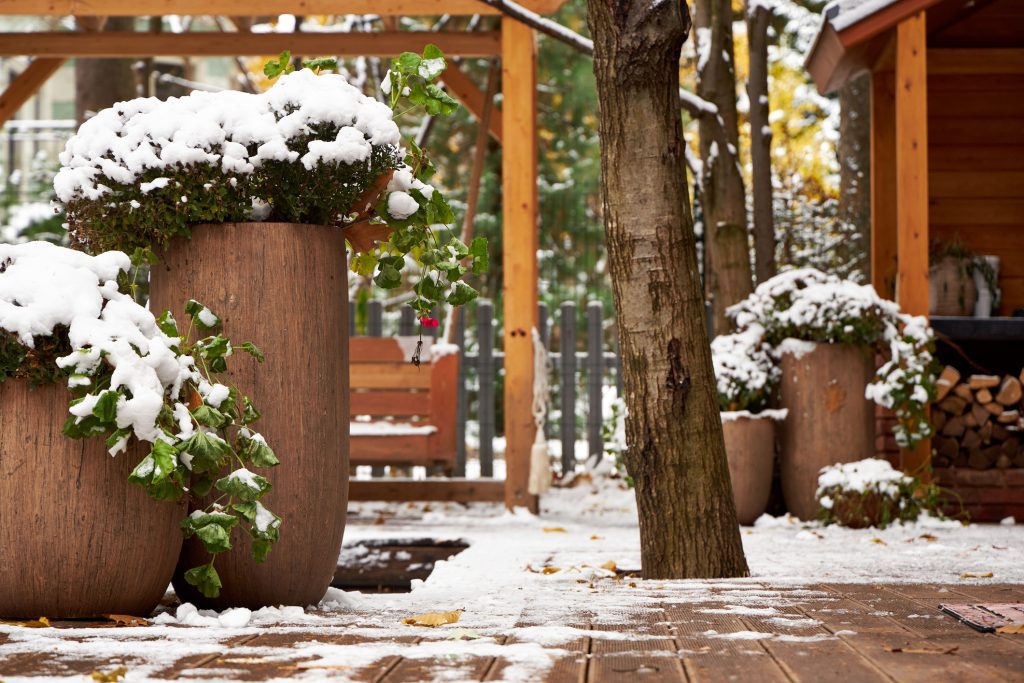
<point x="545" y="26"/>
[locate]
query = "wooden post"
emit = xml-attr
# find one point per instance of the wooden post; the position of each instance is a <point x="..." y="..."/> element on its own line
<point x="883" y="183"/>
<point x="25" y="85"/>
<point x="519" y="234"/>
<point x="912" y="188"/>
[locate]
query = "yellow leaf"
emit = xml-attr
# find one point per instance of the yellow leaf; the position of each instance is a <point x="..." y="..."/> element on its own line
<point x="112" y="676"/>
<point x="41" y="622"/>
<point x="433" y="619"/>
<point x="1011" y="628"/>
<point x="126" y="620"/>
<point x="609" y="565"/>
<point x="878" y="541"/>
<point x="550" y="570"/>
<point x="554" y="530"/>
<point x="922" y="650"/>
<point x="928" y="537"/>
<point x="969" y="575"/>
<point x="595" y="537"/>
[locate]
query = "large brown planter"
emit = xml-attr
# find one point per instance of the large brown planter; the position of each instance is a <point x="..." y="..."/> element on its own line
<point x="283" y="287"/>
<point x="829" y="421"/>
<point x="76" y="539"/>
<point x="750" y="447"/>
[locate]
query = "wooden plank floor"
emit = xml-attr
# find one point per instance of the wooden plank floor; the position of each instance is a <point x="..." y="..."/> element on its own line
<point x="825" y="632"/>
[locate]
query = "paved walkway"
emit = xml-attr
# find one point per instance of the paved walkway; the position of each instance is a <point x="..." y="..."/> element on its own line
<point x="820" y="632"/>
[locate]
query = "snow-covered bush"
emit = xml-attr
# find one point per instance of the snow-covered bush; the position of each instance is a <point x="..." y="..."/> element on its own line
<point x="809" y="305"/>
<point x="311" y="149"/>
<point x="871" y="493"/>
<point x="745" y="371"/>
<point x="63" y="314"/>
<point x="613" y="429"/>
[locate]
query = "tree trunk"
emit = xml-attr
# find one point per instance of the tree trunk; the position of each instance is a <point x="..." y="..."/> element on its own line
<point x="758" y="18"/>
<point x="728" y="279"/>
<point x="855" y="176"/>
<point x="675" y="451"/>
<point x="99" y="83"/>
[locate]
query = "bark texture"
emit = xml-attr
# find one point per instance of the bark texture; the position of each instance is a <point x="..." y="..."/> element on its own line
<point x="99" y="83"/>
<point x="758" y="18"/>
<point x="676" y="453"/>
<point x="728" y="277"/>
<point x="855" y="175"/>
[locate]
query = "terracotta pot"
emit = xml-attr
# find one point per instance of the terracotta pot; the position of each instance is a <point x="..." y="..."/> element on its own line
<point x="951" y="289"/>
<point x="283" y="287"/>
<point x="76" y="539"/>
<point x="829" y="421"/>
<point x="750" y="446"/>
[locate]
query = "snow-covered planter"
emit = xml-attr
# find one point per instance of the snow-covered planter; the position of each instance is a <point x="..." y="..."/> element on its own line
<point x="870" y="493"/>
<point x="140" y="390"/>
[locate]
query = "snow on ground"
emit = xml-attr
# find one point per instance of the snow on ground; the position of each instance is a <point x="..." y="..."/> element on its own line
<point x="545" y="581"/>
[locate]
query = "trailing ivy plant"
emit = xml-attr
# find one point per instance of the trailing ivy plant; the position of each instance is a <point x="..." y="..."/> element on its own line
<point x="205" y="428"/>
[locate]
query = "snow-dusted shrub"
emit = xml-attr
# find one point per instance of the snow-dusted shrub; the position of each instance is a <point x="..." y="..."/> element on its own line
<point x="871" y="493"/>
<point x="745" y="371"/>
<point x="613" y="429"/>
<point x="311" y="149"/>
<point x="63" y="314"/>
<point x="809" y="305"/>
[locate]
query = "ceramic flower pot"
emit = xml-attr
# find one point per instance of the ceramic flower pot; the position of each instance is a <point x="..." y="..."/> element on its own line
<point x="750" y="447"/>
<point x="76" y="538"/>
<point x="283" y="287"/>
<point x="828" y="419"/>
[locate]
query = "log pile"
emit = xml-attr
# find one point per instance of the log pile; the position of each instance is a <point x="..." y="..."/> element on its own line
<point x="978" y="421"/>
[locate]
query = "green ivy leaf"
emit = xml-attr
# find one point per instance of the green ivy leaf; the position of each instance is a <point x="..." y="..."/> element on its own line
<point x="364" y="264"/>
<point x="253" y="350"/>
<point x="168" y="325"/>
<point x="208" y="452"/>
<point x="461" y="294"/>
<point x="260" y="550"/>
<point x="481" y="260"/>
<point x="210" y="417"/>
<point x="244" y="485"/>
<point x="256" y="451"/>
<point x="407" y="63"/>
<point x="205" y="579"/>
<point x="329" y="63"/>
<point x="249" y="412"/>
<point x="215" y="538"/>
<point x="283" y="65"/>
<point x="106" y="407"/>
<point x="202" y="316"/>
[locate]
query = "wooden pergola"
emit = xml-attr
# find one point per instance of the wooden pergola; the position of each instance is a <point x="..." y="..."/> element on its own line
<point x="947" y="141"/>
<point x="514" y="43"/>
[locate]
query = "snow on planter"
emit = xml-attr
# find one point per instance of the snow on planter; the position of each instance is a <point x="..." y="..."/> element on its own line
<point x="869" y="493"/>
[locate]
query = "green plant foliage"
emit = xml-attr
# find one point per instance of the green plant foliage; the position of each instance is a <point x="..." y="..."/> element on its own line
<point x="893" y="497"/>
<point x="37" y="364"/>
<point x="206" y="444"/>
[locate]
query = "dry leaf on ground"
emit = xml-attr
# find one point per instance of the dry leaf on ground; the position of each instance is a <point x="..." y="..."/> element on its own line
<point x="554" y="530"/>
<point x="433" y="619"/>
<point x="112" y="676"/>
<point x="550" y="570"/>
<point x="928" y="537"/>
<point x="41" y="622"/>
<point x="1011" y="628"/>
<point x="879" y="541"/>
<point x="923" y="650"/>
<point x="970" y="575"/>
<point x="126" y="620"/>
<point x="610" y="566"/>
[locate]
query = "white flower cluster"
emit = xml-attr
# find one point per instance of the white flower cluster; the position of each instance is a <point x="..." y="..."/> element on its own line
<point x="809" y="305"/>
<point x="239" y="131"/>
<point x="43" y="286"/>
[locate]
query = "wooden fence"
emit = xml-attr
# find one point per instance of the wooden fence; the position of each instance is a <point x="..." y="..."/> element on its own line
<point x="577" y="378"/>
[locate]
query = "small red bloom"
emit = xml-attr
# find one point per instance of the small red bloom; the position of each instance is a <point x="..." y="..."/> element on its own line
<point x="429" y="322"/>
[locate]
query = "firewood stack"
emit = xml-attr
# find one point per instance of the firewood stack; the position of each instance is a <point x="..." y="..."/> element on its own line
<point x="978" y="421"/>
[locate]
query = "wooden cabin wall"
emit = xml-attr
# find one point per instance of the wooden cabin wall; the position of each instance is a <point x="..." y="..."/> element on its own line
<point x="976" y="170"/>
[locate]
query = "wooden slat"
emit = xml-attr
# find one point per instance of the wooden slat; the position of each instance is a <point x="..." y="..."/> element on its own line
<point x="453" y="490"/>
<point x="883" y="183"/>
<point x="993" y="131"/>
<point x="25" y="85"/>
<point x="976" y="184"/>
<point x="519" y="233"/>
<point x="975" y="61"/>
<point x="376" y="450"/>
<point x="981" y="211"/>
<point x="388" y="376"/>
<point x="214" y="44"/>
<point x="912" y="190"/>
<point x="991" y="157"/>
<point x="462" y="87"/>
<point x="444" y="375"/>
<point x="146" y="8"/>
<point x="386" y="349"/>
<point x="392" y="403"/>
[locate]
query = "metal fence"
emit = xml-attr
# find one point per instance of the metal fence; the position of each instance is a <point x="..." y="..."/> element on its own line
<point x="577" y="377"/>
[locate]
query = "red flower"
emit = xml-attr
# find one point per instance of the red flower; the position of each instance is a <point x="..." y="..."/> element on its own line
<point x="429" y="322"/>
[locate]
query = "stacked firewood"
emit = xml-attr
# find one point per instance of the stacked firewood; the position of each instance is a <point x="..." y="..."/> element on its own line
<point x="978" y="421"/>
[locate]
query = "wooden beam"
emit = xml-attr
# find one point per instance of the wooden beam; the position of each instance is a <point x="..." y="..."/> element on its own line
<point x="971" y="61"/>
<point x="439" y="490"/>
<point x="146" y="8"/>
<point x="912" y="188"/>
<point x="25" y="85"/>
<point x="883" y="183"/>
<point x="883" y="20"/>
<point x="461" y="86"/>
<point x="216" y="44"/>
<point x="519" y="252"/>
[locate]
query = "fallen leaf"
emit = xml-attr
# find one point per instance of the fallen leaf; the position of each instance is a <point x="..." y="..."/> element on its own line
<point x="610" y="566"/>
<point x="879" y="541"/>
<point x="1011" y="628"/>
<point x="632" y="584"/>
<point x="969" y="575"/>
<point x="112" y="676"/>
<point x="595" y="537"/>
<point x="923" y="650"/>
<point x="433" y="619"/>
<point x="550" y="570"/>
<point x="126" y="620"/>
<point x="928" y="537"/>
<point x="41" y="622"/>
<point x="554" y="530"/>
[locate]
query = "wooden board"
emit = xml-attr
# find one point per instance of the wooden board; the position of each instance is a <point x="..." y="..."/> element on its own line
<point x="883" y="183"/>
<point x="387" y="349"/>
<point x="389" y="403"/>
<point x="248" y="8"/>
<point x="389" y="376"/>
<point x="25" y="85"/>
<point x="383" y="450"/>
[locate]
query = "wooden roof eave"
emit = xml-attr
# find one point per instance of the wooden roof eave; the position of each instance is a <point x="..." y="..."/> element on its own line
<point x="145" y="8"/>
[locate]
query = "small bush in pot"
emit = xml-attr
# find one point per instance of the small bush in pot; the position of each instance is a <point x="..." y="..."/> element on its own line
<point x="64" y="315"/>
<point x="870" y="493"/>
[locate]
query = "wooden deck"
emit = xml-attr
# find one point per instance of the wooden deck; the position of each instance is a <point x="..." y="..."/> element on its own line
<point x="821" y="632"/>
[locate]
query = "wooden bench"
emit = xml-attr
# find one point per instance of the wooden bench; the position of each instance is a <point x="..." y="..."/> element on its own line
<point x="411" y="409"/>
